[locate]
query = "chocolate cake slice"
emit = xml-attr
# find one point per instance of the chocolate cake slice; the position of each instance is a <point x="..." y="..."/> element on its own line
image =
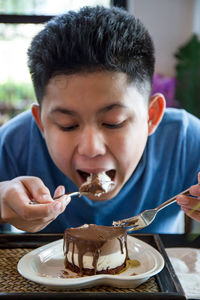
<point x="97" y="184"/>
<point x="94" y="249"/>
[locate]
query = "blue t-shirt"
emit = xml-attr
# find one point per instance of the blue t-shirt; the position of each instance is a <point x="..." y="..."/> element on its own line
<point x="169" y="165"/>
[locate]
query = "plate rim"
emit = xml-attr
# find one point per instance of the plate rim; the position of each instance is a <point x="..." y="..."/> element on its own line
<point x="81" y="281"/>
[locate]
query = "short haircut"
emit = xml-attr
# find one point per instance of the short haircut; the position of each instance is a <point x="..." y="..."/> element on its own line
<point x="92" y="39"/>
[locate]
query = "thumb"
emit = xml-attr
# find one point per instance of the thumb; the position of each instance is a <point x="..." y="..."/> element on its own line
<point x="36" y="189"/>
<point x="60" y="191"/>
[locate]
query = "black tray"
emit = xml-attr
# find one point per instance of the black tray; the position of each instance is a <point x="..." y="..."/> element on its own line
<point x="168" y="283"/>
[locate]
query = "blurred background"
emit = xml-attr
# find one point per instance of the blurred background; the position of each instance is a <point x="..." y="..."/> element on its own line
<point x="173" y="24"/>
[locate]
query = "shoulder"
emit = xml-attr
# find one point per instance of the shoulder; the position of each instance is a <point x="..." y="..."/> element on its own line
<point x="179" y="117"/>
<point x="19" y="134"/>
<point x="19" y="120"/>
<point x="21" y="145"/>
<point x="176" y="143"/>
<point x="17" y="127"/>
<point x="177" y="136"/>
<point x="179" y="123"/>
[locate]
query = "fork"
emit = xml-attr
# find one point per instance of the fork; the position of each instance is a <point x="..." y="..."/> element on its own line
<point x="146" y="217"/>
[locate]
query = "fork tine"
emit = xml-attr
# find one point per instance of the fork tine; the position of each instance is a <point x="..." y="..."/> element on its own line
<point x="126" y="222"/>
<point x="139" y="223"/>
<point x="133" y="223"/>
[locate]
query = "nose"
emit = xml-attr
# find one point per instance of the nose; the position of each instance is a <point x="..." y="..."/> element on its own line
<point x="91" y="142"/>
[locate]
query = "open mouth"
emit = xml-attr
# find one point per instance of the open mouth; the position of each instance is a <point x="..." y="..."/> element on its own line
<point x="84" y="175"/>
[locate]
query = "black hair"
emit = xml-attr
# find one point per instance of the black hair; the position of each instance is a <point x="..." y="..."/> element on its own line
<point x="92" y="39"/>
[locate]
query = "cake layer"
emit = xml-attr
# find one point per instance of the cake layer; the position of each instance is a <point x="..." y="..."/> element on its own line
<point x="86" y="271"/>
<point x="112" y="260"/>
<point x="95" y="248"/>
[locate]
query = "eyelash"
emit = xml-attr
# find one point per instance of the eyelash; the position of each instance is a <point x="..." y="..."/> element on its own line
<point x="69" y="128"/>
<point x="114" y="126"/>
<point x="109" y="126"/>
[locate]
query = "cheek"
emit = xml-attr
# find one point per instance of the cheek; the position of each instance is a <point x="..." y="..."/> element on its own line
<point x="129" y="147"/>
<point x="60" y="149"/>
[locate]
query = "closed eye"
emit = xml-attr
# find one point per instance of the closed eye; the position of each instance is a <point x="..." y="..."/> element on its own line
<point x="68" y="128"/>
<point x="114" y="126"/>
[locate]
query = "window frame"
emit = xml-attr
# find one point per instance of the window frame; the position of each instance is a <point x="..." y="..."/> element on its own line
<point x="37" y="19"/>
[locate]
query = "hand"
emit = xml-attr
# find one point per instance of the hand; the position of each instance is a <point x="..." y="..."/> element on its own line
<point x="191" y="205"/>
<point x="26" y="203"/>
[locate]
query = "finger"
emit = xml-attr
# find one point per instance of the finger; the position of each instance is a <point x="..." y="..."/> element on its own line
<point x="59" y="191"/>
<point x="58" y="208"/>
<point x="189" y="202"/>
<point x="21" y="210"/>
<point x="8" y="214"/>
<point x="19" y="202"/>
<point x="33" y="226"/>
<point x="64" y="201"/>
<point x="15" y="196"/>
<point x="199" y="178"/>
<point x="195" y="190"/>
<point x="45" y="211"/>
<point x="36" y="189"/>
<point x="191" y="213"/>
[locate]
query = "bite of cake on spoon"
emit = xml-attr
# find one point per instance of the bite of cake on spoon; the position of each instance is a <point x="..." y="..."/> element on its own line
<point x="97" y="184"/>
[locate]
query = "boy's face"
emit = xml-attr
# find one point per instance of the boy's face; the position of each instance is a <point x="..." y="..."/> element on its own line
<point x="94" y="122"/>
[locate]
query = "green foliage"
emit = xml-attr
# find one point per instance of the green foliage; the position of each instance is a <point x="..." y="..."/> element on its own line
<point x="188" y="76"/>
<point x="18" y="6"/>
<point x="14" y="98"/>
<point x="17" y="94"/>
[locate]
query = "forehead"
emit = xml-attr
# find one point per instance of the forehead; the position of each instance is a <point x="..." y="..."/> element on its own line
<point x="95" y="87"/>
<point x="101" y="81"/>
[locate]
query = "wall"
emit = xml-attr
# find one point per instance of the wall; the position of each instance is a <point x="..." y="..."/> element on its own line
<point x="170" y="23"/>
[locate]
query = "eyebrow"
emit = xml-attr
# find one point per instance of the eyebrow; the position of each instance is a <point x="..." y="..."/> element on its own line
<point x="64" y="111"/>
<point x="112" y="106"/>
<point x="107" y="108"/>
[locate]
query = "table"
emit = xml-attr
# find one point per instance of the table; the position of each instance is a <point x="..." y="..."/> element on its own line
<point x="164" y="285"/>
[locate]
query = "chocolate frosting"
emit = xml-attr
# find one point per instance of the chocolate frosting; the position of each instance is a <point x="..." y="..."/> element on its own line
<point x="91" y="238"/>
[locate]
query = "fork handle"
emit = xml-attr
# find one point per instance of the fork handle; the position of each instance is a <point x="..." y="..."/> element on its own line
<point x="172" y="200"/>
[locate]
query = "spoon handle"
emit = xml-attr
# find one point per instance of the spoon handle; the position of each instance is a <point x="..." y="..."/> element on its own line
<point x="70" y="195"/>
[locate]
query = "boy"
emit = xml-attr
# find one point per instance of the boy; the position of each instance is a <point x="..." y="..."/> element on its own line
<point x="92" y="73"/>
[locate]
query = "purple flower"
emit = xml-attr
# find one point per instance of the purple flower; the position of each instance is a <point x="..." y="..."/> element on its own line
<point x="167" y="87"/>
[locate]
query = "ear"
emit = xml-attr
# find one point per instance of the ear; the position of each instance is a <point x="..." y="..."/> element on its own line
<point x="36" y="112"/>
<point x="156" y="111"/>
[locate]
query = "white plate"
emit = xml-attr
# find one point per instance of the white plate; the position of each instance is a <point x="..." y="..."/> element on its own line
<point x="44" y="265"/>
